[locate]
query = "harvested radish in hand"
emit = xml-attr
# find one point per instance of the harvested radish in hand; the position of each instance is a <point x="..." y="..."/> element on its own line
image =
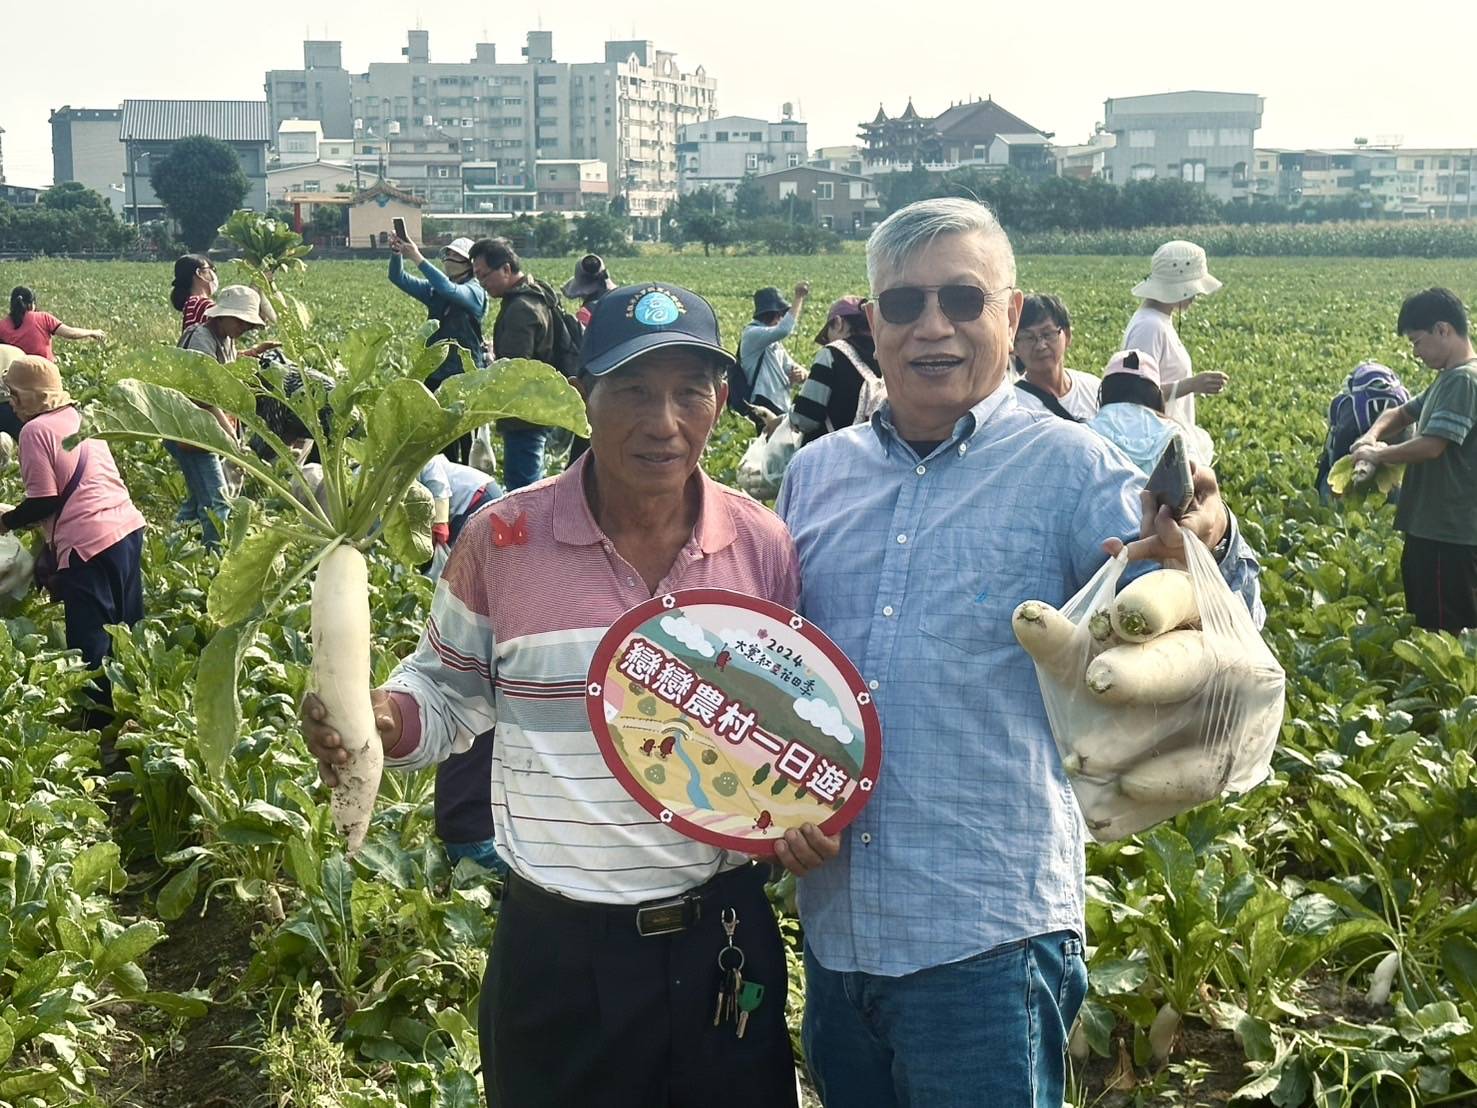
<point x="1161" y="671"/>
<point x="1155" y="603"/>
<point x="1184" y="778"/>
<point x="1048" y="636"/>
<point x="341" y="641"/>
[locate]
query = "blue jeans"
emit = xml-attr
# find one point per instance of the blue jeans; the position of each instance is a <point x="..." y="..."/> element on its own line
<point x="483" y="853"/>
<point x="205" y="490"/>
<point x="990" y="1030"/>
<point x="523" y="455"/>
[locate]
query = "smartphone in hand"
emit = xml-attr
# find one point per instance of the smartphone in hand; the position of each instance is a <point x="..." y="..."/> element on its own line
<point x="400" y="233"/>
<point x="1171" y="482"/>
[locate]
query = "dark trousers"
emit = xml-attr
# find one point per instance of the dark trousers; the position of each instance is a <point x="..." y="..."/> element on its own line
<point x="579" y="1009"/>
<point x="106" y="588"/>
<point x="1440" y="583"/>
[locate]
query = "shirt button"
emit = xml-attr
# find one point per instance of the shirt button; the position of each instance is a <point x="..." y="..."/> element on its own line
<point x="872" y="685"/>
<point x="921" y="470"/>
<point x="630" y="580"/>
<point x="901" y="539"/>
<point x="963" y="446"/>
<point x="866" y="837"/>
<point x="887" y="611"/>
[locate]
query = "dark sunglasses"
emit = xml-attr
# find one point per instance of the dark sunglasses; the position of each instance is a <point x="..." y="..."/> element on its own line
<point x="960" y="303"/>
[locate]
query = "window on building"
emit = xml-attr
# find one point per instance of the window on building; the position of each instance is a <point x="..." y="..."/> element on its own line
<point x="787" y="136"/>
<point x="751" y="161"/>
<point x="1238" y="175"/>
<point x="1193" y="171"/>
<point x="1444" y="163"/>
<point x="1263" y="165"/>
<point x="721" y="136"/>
<point x="1141" y="138"/>
<point x="756" y="136"/>
<point x="981" y="153"/>
<point x="826" y="222"/>
<point x="1420" y="163"/>
<point x="1235" y="136"/>
<point x="792" y="160"/>
<point x="1141" y="172"/>
<point x="787" y="188"/>
<point x="1200" y="136"/>
<point x="825" y="190"/>
<point x="855" y="188"/>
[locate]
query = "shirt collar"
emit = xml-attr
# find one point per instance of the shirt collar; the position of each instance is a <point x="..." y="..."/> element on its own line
<point x="970" y="424"/>
<point x="574" y="523"/>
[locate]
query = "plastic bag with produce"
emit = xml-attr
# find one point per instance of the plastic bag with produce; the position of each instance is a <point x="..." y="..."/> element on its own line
<point x="1161" y="696"/>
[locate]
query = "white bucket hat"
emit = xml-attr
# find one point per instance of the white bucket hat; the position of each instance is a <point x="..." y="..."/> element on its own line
<point x="458" y="248"/>
<point x="239" y="302"/>
<point x="1177" y="272"/>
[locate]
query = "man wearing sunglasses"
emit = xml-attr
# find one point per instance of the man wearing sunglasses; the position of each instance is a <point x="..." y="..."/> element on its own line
<point x="944" y="944"/>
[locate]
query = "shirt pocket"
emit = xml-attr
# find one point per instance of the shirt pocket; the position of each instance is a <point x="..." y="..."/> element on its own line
<point x="973" y="584"/>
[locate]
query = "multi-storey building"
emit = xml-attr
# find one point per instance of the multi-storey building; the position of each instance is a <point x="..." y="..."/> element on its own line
<point x="842" y="159"/>
<point x="975" y="133"/>
<point x="1206" y="138"/>
<point x="1391" y="181"/>
<point x="717" y="153"/>
<point x="319" y="90"/>
<point x="841" y="202"/>
<point x="85" y="149"/>
<point x="504" y="117"/>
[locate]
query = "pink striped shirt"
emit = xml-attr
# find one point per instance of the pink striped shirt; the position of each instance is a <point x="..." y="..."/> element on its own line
<point x="508" y="645"/>
<point x="194" y="311"/>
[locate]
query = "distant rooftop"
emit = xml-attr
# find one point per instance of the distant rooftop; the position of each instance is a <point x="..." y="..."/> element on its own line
<point x="167" y="120"/>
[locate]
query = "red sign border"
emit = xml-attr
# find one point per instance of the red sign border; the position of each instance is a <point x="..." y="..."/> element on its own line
<point x="615" y="637"/>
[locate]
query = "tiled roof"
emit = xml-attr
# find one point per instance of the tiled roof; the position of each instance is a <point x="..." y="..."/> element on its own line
<point x="981" y="117"/>
<point x="167" y="120"/>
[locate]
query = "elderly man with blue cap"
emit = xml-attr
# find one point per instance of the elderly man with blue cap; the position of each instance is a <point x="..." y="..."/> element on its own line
<point x="601" y="982"/>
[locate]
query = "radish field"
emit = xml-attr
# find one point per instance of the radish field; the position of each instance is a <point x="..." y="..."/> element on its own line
<point x="172" y="936"/>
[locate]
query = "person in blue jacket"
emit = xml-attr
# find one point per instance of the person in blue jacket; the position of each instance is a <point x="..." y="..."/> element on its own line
<point x="455" y="301"/>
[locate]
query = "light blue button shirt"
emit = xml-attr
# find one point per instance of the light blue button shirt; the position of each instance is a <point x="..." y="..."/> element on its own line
<point x="766" y="362"/>
<point x="914" y="566"/>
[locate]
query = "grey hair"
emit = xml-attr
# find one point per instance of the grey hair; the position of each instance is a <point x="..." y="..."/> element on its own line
<point x="908" y="230"/>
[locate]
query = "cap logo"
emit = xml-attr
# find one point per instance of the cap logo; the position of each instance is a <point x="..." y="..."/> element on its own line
<point x="655" y="307"/>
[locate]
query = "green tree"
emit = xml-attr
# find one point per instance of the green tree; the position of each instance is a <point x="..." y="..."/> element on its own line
<point x="601" y="232"/>
<point x="709" y="228"/>
<point x="750" y="201"/>
<point x="71" y="196"/>
<point x="551" y="237"/>
<point x="200" y="182"/>
<point x="329" y="221"/>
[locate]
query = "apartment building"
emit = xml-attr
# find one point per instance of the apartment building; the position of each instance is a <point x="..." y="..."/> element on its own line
<point x="150" y="128"/>
<point x="717" y="153"/>
<point x="1206" y="138"/>
<point x="85" y="149"/>
<point x="319" y="90"/>
<point x="506" y="116"/>
<point x="1392" y="181"/>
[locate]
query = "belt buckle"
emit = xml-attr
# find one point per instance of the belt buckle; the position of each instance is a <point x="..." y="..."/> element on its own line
<point x="668" y="916"/>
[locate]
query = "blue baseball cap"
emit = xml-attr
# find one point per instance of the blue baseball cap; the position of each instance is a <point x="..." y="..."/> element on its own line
<point x="631" y="320"/>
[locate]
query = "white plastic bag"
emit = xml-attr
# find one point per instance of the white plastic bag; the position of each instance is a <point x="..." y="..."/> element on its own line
<point x="762" y="468"/>
<point x="482" y="455"/>
<point x="1135" y="764"/>
<point x="15" y="567"/>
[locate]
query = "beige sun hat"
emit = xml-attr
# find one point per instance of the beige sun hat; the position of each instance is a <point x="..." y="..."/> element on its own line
<point x="35" y="385"/>
<point x="239" y="302"/>
<point x="1177" y="272"/>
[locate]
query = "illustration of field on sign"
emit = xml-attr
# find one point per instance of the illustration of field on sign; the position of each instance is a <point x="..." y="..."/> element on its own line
<point x="734" y="722"/>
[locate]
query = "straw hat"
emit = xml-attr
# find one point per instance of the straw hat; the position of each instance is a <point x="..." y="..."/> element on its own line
<point x="239" y="302"/>
<point x="1177" y="272"/>
<point x="35" y="385"/>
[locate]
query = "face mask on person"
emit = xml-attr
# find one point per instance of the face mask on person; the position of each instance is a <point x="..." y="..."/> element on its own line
<point x="457" y="269"/>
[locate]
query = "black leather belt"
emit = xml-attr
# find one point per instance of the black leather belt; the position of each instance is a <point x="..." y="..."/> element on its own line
<point x="654" y="917"/>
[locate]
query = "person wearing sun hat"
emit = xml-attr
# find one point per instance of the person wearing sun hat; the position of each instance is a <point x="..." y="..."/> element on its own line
<point x="763" y="359"/>
<point x="615" y="915"/>
<point x="455" y="301"/>
<point x="1178" y="273"/>
<point x="237" y="310"/>
<point x="590" y="282"/>
<point x="844" y="385"/>
<point x="78" y="497"/>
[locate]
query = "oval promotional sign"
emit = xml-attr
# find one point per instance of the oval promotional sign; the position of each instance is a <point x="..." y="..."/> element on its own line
<point x="732" y="719"/>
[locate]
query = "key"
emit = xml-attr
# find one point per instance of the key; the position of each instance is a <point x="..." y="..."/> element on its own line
<point x="735" y="986"/>
<point x="750" y="996"/>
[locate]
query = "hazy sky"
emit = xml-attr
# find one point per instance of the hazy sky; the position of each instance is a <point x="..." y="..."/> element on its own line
<point x="1328" y="72"/>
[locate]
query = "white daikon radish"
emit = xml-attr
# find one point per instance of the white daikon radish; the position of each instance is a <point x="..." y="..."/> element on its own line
<point x="7" y="449"/>
<point x="1155" y="603"/>
<point x="1182" y="778"/>
<point x="1164" y="670"/>
<point x="341" y="643"/>
<point x="1163" y="1032"/>
<point x="15" y="567"/>
<point x="1077" y="1045"/>
<point x="1383" y="979"/>
<point x="1049" y="637"/>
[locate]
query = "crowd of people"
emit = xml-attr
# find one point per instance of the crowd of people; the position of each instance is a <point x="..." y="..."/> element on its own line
<point x="946" y="464"/>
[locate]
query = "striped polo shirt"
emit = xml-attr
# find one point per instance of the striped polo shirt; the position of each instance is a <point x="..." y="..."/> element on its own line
<point x="531" y="586"/>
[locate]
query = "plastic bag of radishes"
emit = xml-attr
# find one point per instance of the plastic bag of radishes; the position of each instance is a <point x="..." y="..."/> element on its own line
<point x="1161" y="695"/>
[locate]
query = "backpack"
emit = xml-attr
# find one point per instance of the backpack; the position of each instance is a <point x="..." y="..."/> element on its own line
<point x="1371" y="389"/>
<point x="741" y="382"/>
